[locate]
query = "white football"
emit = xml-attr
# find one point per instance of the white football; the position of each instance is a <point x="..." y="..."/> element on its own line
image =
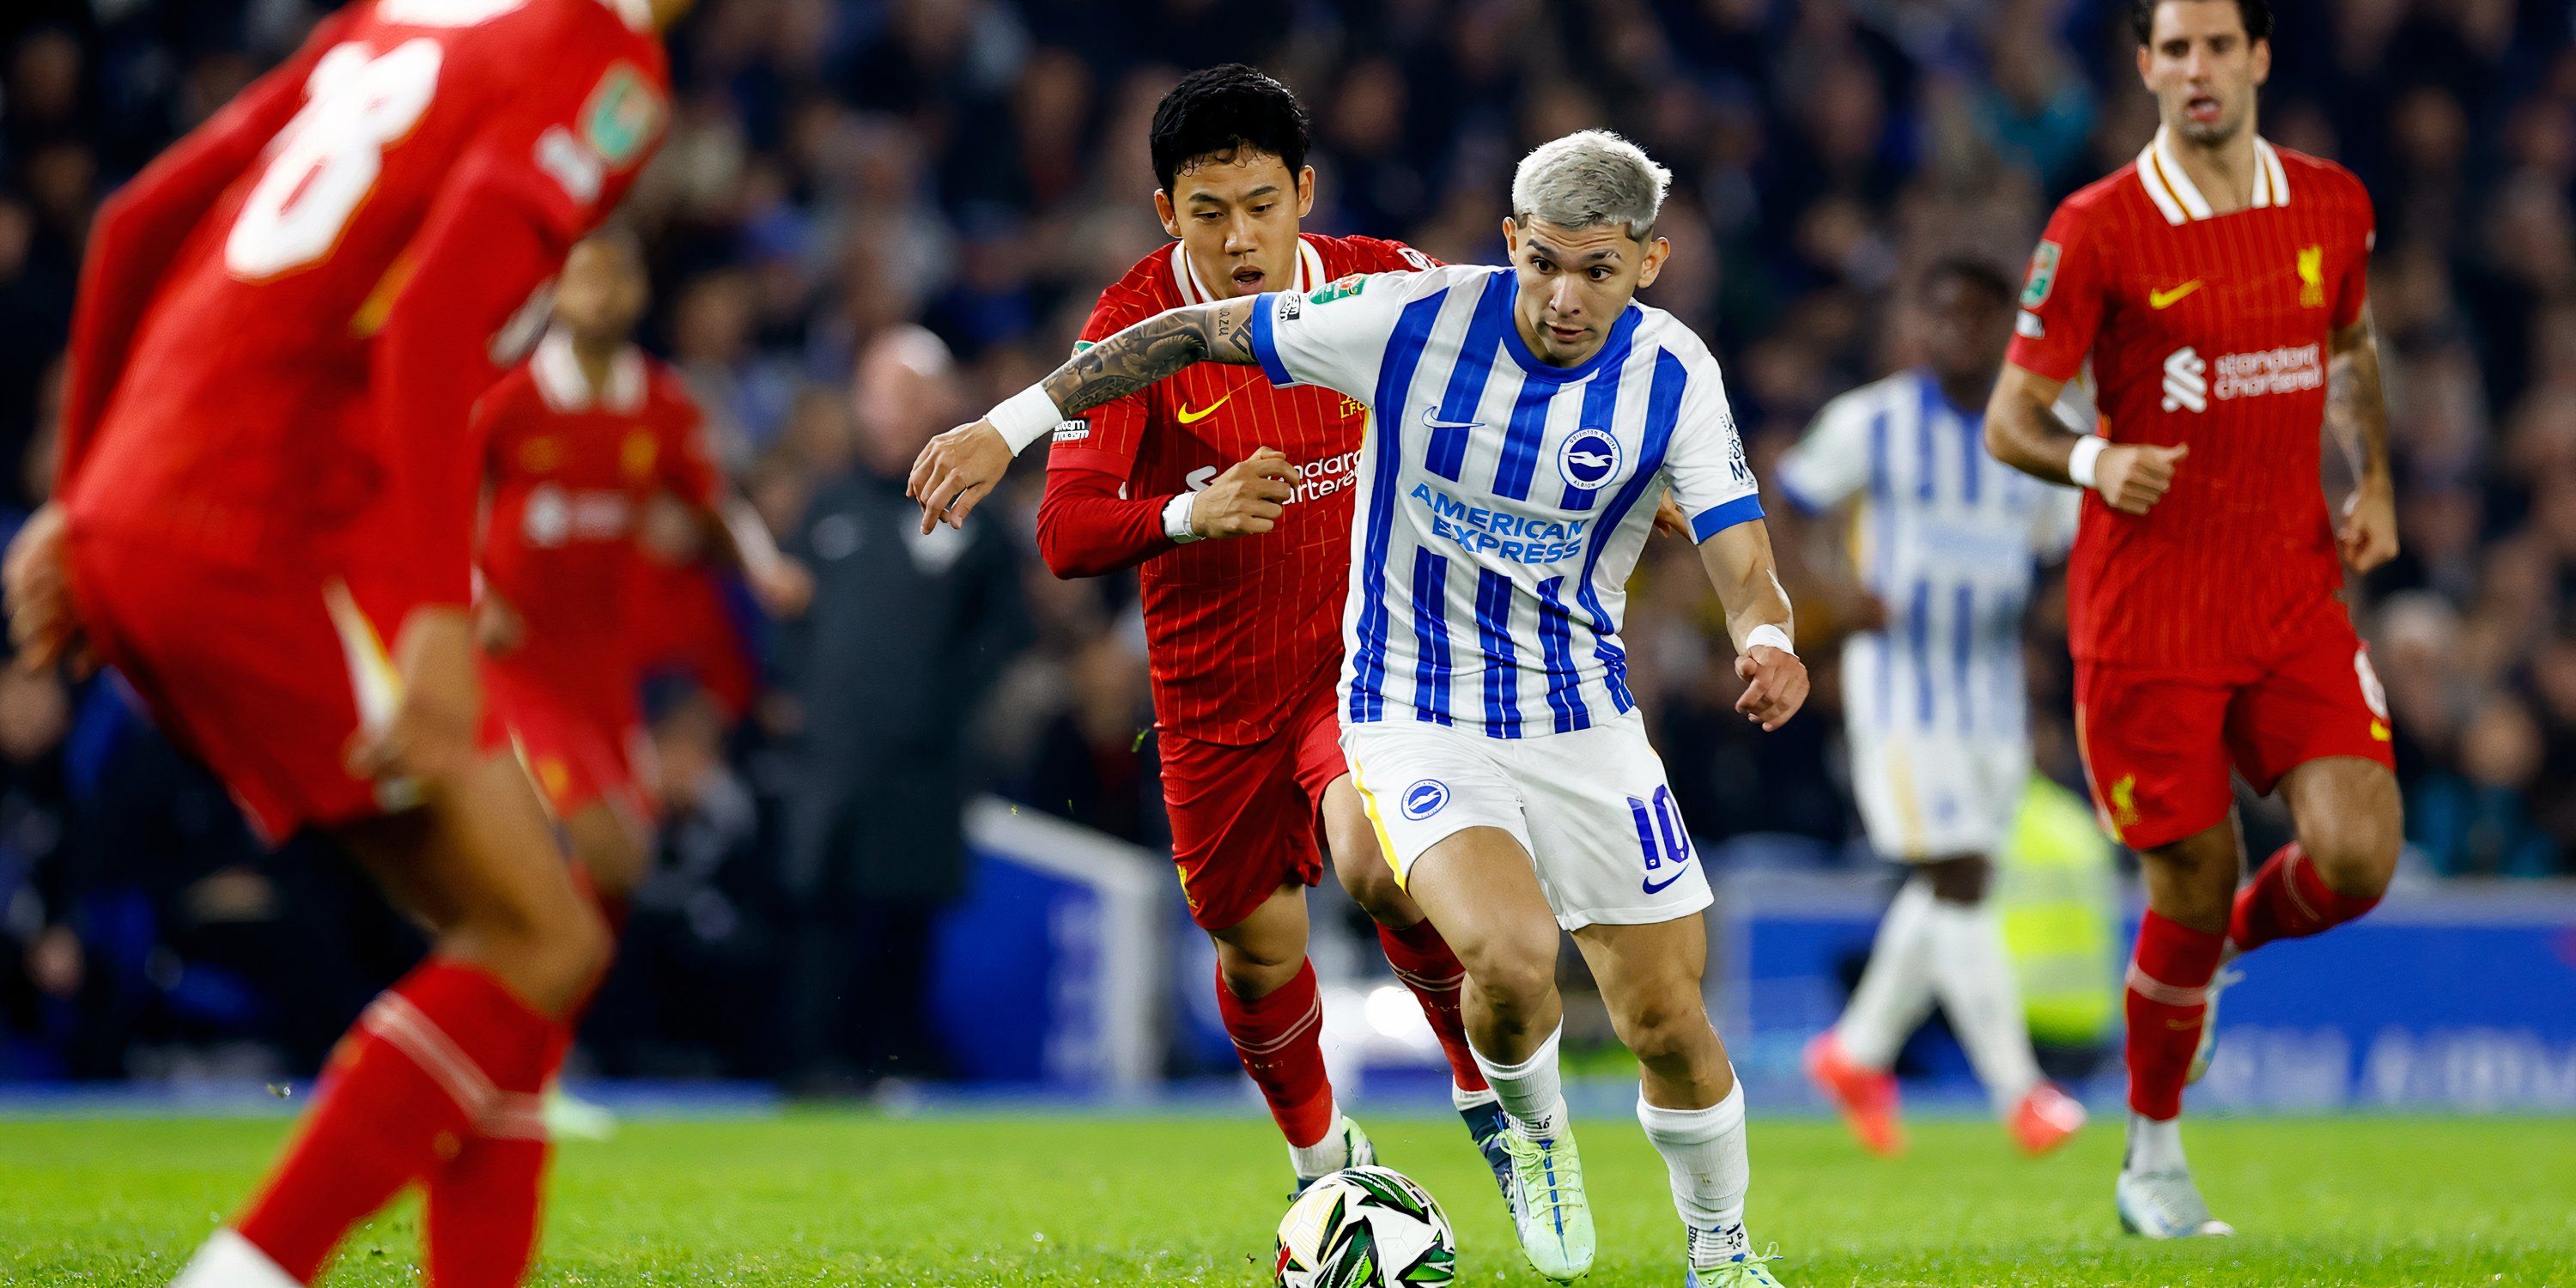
<point x="1365" y="1227"/>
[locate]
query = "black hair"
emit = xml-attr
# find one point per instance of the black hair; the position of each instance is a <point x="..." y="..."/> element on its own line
<point x="2256" y="13"/>
<point x="1972" y="272"/>
<point x="1223" y="109"/>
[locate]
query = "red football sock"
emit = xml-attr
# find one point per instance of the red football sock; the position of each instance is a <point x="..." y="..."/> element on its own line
<point x="485" y="1204"/>
<point x="424" y="1064"/>
<point x="2167" y="1000"/>
<point x="2288" y="900"/>
<point x="1423" y="961"/>
<point x="1279" y="1038"/>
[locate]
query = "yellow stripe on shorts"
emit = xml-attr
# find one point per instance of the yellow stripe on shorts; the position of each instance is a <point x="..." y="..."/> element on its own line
<point x="1385" y="843"/>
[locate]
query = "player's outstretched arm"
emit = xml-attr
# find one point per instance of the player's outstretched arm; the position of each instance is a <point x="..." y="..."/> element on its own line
<point x="959" y="467"/>
<point x="2358" y="415"/>
<point x="2023" y="431"/>
<point x="1758" y="617"/>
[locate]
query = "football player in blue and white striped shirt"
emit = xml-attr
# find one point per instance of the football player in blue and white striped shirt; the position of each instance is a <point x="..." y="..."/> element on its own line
<point x="1524" y="421"/>
<point x="1947" y="541"/>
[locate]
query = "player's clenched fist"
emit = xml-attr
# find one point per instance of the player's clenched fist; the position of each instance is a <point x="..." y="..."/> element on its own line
<point x="955" y="471"/>
<point x="1249" y="498"/>
<point x="2134" y="476"/>
<point x="1775" y="685"/>
<point x="2368" y="537"/>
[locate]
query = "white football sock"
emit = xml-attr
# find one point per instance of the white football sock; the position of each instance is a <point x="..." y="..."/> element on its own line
<point x="1703" y="1149"/>
<point x="2154" y="1146"/>
<point x="1532" y="1094"/>
<point x="230" y="1261"/>
<point x="1331" y="1154"/>
<point x="1463" y="1100"/>
<point x="1974" y="977"/>
<point x="1895" y="992"/>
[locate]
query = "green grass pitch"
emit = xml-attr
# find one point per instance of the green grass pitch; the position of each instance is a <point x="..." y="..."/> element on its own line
<point x="833" y="1198"/>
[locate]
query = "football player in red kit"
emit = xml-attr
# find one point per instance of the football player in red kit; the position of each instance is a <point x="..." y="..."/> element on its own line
<point x="1233" y="498"/>
<point x="282" y="326"/>
<point x="577" y="443"/>
<point x="2218" y="284"/>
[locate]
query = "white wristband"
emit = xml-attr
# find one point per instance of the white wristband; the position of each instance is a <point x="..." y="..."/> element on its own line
<point x="1176" y="518"/>
<point x="2080" y="462"/>
<point x="1769" y="635"/>
<point x="1025" y="417"/>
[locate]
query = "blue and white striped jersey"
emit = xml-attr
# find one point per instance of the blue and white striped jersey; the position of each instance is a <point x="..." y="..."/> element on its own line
<point x="1948" y="538"/>
<point x="1502" y="501"/>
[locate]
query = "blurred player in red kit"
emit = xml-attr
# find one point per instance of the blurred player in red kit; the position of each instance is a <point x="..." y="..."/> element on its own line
<point x="1244" y="635"/>
<point x="579" y="444"/>
<point x="2218" y="284"/>
<point x="282" y="327"/>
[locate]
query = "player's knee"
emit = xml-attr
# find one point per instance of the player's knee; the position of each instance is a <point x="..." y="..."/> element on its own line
<point x="1516" y="972"/>
<point x="1662" y="1029"/>
<point x="1251" y="971"/>
<point x="552" y="954"/>
<point x="2355" y="855"/>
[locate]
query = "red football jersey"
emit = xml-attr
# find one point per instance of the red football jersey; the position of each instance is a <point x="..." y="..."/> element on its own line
<point x="2212" y="331"/>
<point x="289" y="367"/>
<point x="570" y="470"/>
<point x="1239" y="631"/>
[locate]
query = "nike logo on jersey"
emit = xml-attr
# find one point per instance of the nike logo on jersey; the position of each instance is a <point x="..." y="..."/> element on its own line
<point x="1658" y="887"/>
<point x="2167" y="299"/>
<point x="1431" y="420"/>
<point x="1192" y="416"/>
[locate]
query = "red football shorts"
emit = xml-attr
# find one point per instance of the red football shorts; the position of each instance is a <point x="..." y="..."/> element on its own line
<point x="1243" y="818"/>
<point x="577" y="753"/>
<point x="245" y="669"/>
<point x="2158" y="741"/>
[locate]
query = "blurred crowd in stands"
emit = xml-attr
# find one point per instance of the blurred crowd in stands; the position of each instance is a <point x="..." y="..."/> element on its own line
<point x="875" y="217"/>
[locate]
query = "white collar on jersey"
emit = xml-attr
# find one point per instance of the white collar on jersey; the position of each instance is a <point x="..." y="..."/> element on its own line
<point x="2179" y="198"/>
<point x="1310" y="274"/>
<point x="557" y="371"/>
<point x="637" y="13"/>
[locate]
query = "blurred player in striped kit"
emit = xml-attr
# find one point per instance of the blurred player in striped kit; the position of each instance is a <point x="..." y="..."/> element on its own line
<point x="1945" y="542"/>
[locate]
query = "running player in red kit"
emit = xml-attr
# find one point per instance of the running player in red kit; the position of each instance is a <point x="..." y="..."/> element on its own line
<point x="2218" y="283"/>
<point x="1244" y="635"/>
<point x="577" y="443"/>
<point x="282" y="327"/>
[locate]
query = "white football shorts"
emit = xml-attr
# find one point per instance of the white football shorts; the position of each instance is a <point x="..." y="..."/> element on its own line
<point x="1592" y="808"/>
<point x="1933" y="795"/>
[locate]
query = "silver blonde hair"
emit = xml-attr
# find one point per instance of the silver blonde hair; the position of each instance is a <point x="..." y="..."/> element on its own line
<point x="1587" y="179"/>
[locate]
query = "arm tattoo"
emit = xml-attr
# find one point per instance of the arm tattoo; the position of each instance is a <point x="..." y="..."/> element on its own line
<point x="1152" y="349"/>
<point x="2355" y="410"/>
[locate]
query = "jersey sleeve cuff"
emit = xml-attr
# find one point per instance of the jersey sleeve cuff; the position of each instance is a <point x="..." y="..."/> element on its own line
<point x="1264" y="344"/>
<point x="2039" y="362"/>
<point x="1710" y="522"/>
<point x="1096" y="459"/>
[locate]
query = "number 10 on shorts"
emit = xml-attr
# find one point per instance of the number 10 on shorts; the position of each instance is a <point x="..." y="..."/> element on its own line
<point x="1660" y="835"/>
